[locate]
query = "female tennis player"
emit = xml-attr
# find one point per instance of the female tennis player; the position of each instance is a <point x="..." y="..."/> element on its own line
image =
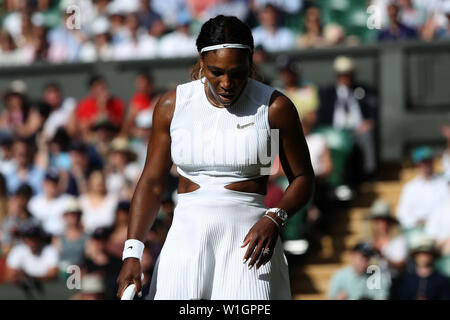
<point x="217" y="129"/>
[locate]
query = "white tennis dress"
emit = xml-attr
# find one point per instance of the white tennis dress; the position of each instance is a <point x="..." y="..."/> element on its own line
<point x="202" y="257"/>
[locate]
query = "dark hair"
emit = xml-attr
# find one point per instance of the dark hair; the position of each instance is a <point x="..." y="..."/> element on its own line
<point x="219" y="30"/>
<point x="144" y="72"/>
<point x="24" y="191"/>
<point x="52" y="85"/>
<point x="95" y="78"/>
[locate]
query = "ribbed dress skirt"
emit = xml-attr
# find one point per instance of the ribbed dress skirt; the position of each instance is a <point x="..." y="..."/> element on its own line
<point x="202" y="256"/>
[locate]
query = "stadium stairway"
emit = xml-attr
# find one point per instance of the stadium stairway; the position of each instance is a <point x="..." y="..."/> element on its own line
<point x="310" y="276"/>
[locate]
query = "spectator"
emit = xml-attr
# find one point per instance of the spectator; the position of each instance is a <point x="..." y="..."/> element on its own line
<point x="144" y="96"/>
<point x="100" y="262"/>
<point x="125" y="6"/>
<point x="438" y="226"/>
<point x="72" y="242"/>
<point x="97" y="205"/>
<point x="83" y="160"/>
<point x="99" y="104"/>
<point x="138" y="44"/>
<point x="237" y="8"/>
<point x="421" y="196"/>
<point x="147" y="265"/>
<point x="25" y="169"/>
<point x="121" y="169"/>
<point x="436" y="25"/>
<point x="424" y="282"/>
<point x="286" y="6"/>
<point x="313" y="35"/>
<point x="65" y="42"/>
<point x="260" y="57"/>
<point x="303" y="94"/>
<point x="118" y="236"/>
<point x="7" y="165"/>
<point x="396" y="30"/>
<point x="24" y="28"/>
<point x="18" y="218"/>
<point x="9" y="53"/>
<point x="352" y="106"/>
<point x="411" y="15"/>
<point x="150" y="20"/>
<point x="167" y="210"/>
<point x="100" y="8"/>
<point x="117" y="28"/>
<point x="140" y="135"/>
<point x="14" y="115"/>
<point x="350" y="283"/>
<point x="101" y="47"/>
<point x="198" y="8"/>
<point x="391" y="247"/>
<point x="180" y="42"/>
<point x="47" y="12"/>
<point x="58" y="157"/>
<point x="32" y="262"/>
<point x="334" y="35"/>
<point x="37" y="114"/>
<point x="61" y="108"/>
<point x="104" y="132"/>
<point x="305" y="97"/>
<point x="168" y="10"/>
<point x="270" y="34"/>
<point x="18" y="21"/>
<point x="48" y="207"/>
<point x="38" y="46"/>
<point x="444" y="31"/>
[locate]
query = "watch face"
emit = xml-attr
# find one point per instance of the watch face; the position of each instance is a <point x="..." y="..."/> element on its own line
<point x="282" y="214"/>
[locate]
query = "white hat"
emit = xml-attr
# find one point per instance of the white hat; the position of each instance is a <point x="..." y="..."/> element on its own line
<point x="123" y="7"/>
<point x="333" y="33"/>
<point x="343" y="64"/>
<point x="422" y="243"/>
<point x="72" y="205"/>
<point x="18" y="86"/>
<point x="144" y="119"/>
<point x="100" y="26"/>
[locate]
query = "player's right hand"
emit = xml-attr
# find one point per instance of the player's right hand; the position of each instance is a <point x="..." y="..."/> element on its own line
<point x="129" y="274"/>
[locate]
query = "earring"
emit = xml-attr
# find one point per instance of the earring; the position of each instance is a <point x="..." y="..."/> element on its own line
<point x="200" y="74"/>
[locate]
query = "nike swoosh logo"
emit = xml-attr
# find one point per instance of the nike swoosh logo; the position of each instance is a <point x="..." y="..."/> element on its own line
<point x="244" y="125"/>
<point x="130" y="247"/>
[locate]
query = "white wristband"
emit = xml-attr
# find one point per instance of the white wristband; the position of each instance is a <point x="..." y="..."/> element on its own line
<point x="133" y="249"/>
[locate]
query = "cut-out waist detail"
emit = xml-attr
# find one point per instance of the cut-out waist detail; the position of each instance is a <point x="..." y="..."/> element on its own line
<point x="211" y="187"/>
<point x="220" y="193"/>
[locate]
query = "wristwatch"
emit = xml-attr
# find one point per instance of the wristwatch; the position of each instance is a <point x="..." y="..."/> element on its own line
<point x="280" y="213"/>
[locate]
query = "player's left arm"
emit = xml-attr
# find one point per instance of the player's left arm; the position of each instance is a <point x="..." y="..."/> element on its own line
<point x="296" y="163"/>
<point x="294" y="154"/>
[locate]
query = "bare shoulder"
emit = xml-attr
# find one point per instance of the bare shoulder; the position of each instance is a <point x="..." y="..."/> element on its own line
<point x="282" y="111"/>
<point x="165" y="108"/>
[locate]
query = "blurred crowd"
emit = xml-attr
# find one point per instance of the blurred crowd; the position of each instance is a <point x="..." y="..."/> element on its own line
<point x="406" y="254"/>
<point x="69" y="167"/>
<point x="59" y="31"/>
<point x="68" y="170"/>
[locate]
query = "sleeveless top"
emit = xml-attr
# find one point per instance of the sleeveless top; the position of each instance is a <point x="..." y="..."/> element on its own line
<point x="212" y="145"/>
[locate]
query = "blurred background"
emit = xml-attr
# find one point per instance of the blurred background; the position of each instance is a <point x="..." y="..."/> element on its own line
<point x="78" y="83"/>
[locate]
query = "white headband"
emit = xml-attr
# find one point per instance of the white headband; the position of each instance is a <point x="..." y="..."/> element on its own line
<point x="226" y="45"/>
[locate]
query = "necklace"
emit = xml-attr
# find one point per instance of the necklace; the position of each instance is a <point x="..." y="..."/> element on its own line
<point x="214" y="103"/>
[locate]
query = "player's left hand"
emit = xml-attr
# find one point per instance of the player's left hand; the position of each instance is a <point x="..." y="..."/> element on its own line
<point x="261" y="240"/>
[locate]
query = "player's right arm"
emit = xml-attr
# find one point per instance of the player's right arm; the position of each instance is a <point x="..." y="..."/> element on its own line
<point x="150" y="187"/>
